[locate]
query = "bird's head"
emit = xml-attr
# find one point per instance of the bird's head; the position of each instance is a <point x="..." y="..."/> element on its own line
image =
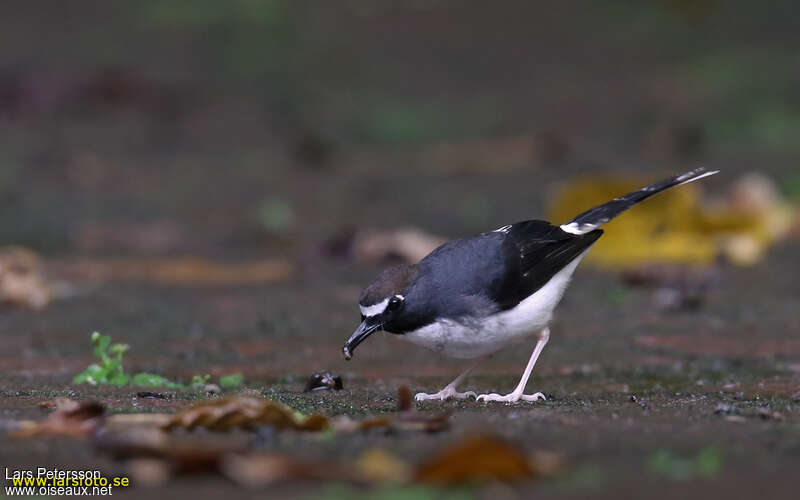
<point x="382" y="305"/>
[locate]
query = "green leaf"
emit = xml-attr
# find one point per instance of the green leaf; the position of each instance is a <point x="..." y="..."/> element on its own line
<point x="275" y="215"/>
<point x="708" y="462"/>
<point x="94" y="374"/>
<point x="231" y="381"/>
<point x="149" y="380"/>
<point x="101" y="344"/>
<point x="118" y="379"/>
<point x="119" y="349"/>
<point x="199" y="381"/>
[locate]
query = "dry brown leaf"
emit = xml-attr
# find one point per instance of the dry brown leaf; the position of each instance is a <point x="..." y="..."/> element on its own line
<point x="183" y="271"/>
<point x="244" y="412"/>
<point x="22" y="282"/>
<point x="265" y="469"/>
<point x="132" y="441"/>
<point x="409" y="419"/>
<point x="407" y="244"/>
<point x="149" y="471"/>
<point x="404" y="401"/>
<point x="70" y="418"/>
<point x="375" y="465"/>
<point x="406" y="419"/>
<point x="417" y="421"/>
<point x="176" y="453"/>
<point x="546" y="463"/>
<point x="122" y="420"/>
<point x="476" y="459"/>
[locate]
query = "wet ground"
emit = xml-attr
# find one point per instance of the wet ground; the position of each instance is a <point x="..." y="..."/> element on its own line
<point x="693" y="402"/>
<point x="625" y="384"/>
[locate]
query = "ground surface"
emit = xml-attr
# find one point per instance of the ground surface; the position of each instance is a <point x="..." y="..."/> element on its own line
<point x="331" y="119"/>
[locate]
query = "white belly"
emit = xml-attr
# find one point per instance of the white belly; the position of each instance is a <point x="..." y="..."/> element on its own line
<point x="490" y="334"/>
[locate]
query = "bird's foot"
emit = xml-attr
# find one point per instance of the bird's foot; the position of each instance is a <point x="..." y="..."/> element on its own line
<point x="511" y="398"/>
<point x="446" y="393"/>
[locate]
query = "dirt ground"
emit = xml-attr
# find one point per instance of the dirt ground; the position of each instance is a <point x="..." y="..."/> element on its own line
<point x="236" y="135"/>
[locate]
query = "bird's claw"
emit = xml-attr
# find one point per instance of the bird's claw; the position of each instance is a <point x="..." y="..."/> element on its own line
<point x="510" y="398"/>
<point x="446" y="393"/>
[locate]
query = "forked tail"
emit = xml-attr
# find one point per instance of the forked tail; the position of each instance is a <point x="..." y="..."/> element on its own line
<point x="599" y="215"/>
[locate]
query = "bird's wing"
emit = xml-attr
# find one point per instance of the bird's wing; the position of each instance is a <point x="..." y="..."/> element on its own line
<point x="534" y="251"/>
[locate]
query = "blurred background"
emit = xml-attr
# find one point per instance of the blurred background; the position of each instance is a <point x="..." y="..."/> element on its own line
<point x="264" y="159"/>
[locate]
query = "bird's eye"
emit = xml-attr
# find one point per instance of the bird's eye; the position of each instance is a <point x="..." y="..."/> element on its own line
<point x="394" y="303"/>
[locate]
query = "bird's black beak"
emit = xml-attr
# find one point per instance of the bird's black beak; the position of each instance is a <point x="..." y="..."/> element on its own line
<point x="364" y="330"/>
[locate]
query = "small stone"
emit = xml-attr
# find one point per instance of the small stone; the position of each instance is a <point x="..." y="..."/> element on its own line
<point x="212" y="389"/>
<point x="324" y="381"/>
<point x="767" y="414"/>
<point x="725" y="409"/>
<point x="150" y="395"/>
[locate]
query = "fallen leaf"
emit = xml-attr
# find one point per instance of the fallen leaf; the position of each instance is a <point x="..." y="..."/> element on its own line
<point x="407" y="418"/>
<point x="404" y="401"/>
<point x="122" y="420"/>
<point x="736" y="419"/>
<point x="675" y="227"/>
<point x="406" y="244"/>
<point x="546" y="463"/>
<point x="70" y="418"/>
<point x="417" y="421"/>
<point x="180" y="453"/>
<point x="266" y="469"/>
<point x="183" y="271"/>
<point x="345" y="424"/>
<point x="476" y="459"/>
<point x="375" y="465"/>
<point x="149" y="471"/>
<point x="244" y="412"/>
<point x="22" y="281"/>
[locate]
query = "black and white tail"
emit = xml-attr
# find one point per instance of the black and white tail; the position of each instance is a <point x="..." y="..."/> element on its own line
<point x="599" y="215"/>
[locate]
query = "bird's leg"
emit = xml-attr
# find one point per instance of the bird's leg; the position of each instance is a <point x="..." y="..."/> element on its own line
<point x="450" y="390"/>
<point x="517" y="394"/>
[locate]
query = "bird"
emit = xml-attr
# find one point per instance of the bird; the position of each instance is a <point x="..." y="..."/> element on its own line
<point x="473" y="296"/>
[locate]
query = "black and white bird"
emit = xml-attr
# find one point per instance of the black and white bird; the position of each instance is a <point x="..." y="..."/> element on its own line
<point x="473" y="296"/>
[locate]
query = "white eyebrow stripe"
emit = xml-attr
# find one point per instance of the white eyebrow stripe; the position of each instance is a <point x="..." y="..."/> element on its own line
<point x="375" y="309"/>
